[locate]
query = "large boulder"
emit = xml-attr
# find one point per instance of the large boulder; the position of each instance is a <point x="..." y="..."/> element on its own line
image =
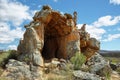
<point x="31" y="46"/>
<point x="16" y="70"/>
<point x="98" y="65"/>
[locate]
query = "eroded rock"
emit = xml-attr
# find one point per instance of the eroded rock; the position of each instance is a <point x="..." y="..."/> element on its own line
<point x="98" y="65"/>
<point x="80" y="75"/>
<point x="31" y="46"/>
<point x="17" y="70"/>
<point x="88" y="44"/>
<point x="49" y="35"/>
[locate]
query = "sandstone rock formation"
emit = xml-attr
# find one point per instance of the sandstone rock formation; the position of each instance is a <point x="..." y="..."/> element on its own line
<point x="88" y="45"/>
<point x="32" y="45"/>
<point x="54" y="35"/>
<point x="49" y="35"/>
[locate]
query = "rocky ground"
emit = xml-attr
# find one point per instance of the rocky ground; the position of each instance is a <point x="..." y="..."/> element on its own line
<point x="97" y="68"/>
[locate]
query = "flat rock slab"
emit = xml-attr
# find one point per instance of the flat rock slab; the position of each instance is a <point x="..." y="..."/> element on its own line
<point x="80" y="75"/>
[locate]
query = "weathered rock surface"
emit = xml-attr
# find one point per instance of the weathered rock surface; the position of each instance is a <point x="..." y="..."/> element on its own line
<point x="49" y="35"/>
<point x="79" y="75"/>
<point x="54" y="35"/>
<point x="98" y="65"/>
<point x="31" y="46"/>
<point x="88" y="45"/>
<point x="17" y="70"/>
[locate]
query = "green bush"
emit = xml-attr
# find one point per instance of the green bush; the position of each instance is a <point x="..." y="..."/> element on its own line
<point x="6" y="55"/>
<point x="78" y="60"/>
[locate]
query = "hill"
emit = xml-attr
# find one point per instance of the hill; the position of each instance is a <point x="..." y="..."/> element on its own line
<point x="109" y="53"/>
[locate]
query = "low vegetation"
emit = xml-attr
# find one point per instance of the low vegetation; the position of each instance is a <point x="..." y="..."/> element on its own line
<point x="6" y="55"/>
<point x="3" y="78"/>
<point x="113" y="60"/>
<point x="61" y="75"/>
<point x="107" y="75"/>
<point x="78" y="60"/>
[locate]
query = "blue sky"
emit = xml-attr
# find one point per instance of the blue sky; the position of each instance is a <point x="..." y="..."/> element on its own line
<point x="101" y="16"/>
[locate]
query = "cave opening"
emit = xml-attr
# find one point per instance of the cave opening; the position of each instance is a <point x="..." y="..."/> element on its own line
<point x="54" y="37"/>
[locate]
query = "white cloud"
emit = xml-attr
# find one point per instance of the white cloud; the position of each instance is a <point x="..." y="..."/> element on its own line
<point x="7" y="35"/>
<point x="13" y="11"/>
<point x="96" y="28"/>
<point x="12" y="47"/>
<point x="95" y="32"/>
<point x="112" y="37"/>
<point x="115" y="2"/>
<point x="106" y="21"/>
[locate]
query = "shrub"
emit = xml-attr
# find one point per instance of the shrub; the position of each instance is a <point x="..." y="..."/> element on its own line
<point x="78" y="60"/>
<point x="6" y="55"/>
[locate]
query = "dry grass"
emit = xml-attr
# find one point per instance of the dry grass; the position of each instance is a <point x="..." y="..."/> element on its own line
<point x="113" y="59"/>
<point x="62" y="75"/>
<point x="3" y="78"/>
<point x="52" y="76"/>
